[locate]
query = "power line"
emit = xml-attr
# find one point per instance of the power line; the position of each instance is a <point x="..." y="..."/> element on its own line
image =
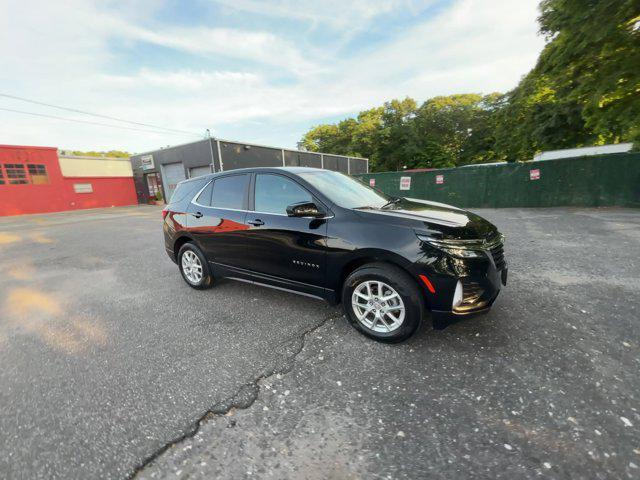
<point x="87" y="121"/>
<point x="75" y="110"/>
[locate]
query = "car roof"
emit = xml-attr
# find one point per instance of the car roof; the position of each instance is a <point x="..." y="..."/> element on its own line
<point x="258" y="169"/>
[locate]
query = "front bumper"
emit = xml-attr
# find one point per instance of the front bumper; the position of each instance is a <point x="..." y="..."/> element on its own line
<point x="481" y="279"/>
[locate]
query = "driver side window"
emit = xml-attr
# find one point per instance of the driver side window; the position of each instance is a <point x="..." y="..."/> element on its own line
<point x="274" y="193"/>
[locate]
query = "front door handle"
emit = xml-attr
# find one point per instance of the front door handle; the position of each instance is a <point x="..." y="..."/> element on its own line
<point x="197" y="214"/>
<point x="256" y="223"/>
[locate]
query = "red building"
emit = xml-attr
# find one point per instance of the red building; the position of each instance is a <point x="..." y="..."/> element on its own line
<point x="38" y="180"/>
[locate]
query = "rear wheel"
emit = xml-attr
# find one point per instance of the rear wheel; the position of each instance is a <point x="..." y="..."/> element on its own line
<point x="194" y="267"/>
<point x="382" y="302"/>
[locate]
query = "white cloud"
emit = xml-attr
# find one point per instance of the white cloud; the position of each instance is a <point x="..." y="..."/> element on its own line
<point x="261" y="47"/>
<point x="43" y="35"/>
<point x="181" y="79"/>
<point x="477" y="45"/>
<point x="338" y="14"/>
<point x="66" y="56"/>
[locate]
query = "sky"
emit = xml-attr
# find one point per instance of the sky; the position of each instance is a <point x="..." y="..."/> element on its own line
<point x="259" y="71"/>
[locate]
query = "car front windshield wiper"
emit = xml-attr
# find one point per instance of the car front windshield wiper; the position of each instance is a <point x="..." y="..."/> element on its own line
<point x="393" y="201"/>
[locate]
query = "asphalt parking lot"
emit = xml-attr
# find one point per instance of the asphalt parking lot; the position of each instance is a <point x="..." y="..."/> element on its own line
<point x="112" y="367"/>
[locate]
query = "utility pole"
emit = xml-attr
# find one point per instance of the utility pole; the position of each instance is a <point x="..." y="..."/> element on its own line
<point x="212" y="166"/>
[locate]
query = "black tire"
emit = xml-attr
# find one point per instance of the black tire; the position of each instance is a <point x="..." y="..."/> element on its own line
<point x="402" y="283"/>
<point x="207" y="278"/>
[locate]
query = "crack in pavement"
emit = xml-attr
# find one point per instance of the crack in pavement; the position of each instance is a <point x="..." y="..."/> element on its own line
<point x="242" y="399"/>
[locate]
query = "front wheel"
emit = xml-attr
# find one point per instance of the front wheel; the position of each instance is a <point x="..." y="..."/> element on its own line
<point x="382" y="302"/>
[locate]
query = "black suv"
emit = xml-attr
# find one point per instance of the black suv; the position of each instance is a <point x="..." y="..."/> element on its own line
<point x="323" y="234"/>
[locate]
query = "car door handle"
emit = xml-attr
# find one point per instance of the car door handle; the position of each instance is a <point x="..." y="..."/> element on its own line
<point x="197" y="214"/>
<point x="256" y="223"/>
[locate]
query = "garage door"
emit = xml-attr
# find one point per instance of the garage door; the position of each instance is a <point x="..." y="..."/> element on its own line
<point x="172" y="173"/>
<point x="199" y="171"/>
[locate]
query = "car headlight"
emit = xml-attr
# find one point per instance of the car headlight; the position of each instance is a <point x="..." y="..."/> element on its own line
<point x="459" y="250"/>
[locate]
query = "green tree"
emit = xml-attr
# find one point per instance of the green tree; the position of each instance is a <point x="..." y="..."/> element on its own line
<point x="456" y="130"/>
<point x="442" y="132"/>
<point x="367" y="133"/>
<point x="396" y="137"/>
<point x="594" y="52"/>
<point x="535" y="117"/>
<point x="585" y="87"/>
<point x="584" y="90"/>
<point x="331" y="138"/>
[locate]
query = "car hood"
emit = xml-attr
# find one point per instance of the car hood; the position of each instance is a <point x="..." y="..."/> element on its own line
<point x="434" y="219"/>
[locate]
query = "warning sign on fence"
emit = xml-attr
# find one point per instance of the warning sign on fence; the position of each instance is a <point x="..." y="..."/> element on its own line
<point x="405" y="183"/>
<point x="372" y="182"/>
<point x="534" y="174"/>
<point x="439" y="179"/>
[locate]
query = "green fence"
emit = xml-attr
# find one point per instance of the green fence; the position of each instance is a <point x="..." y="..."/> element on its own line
<point x="584" y="181"/>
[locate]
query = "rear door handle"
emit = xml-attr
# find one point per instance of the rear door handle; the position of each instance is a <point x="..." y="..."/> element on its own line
<point x="197" y="214"/>
<point x="256" y="223"/>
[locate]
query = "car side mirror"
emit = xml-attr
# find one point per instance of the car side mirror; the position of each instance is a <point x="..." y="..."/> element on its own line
<point x="304" y="209"/>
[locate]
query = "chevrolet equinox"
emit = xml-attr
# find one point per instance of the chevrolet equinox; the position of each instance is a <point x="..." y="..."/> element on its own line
<point x="320" y="233"/>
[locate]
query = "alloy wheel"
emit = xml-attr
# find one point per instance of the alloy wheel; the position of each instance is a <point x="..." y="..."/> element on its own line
<point x="191" y="267"/>
<point x="378" y="306"/>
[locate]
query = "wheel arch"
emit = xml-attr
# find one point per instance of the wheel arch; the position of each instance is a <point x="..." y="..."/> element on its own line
<point x="179" y="242"/>
<point x="368" y="256"/>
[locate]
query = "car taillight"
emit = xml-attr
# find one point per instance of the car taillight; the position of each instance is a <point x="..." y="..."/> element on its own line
<point x="165" y="212"/>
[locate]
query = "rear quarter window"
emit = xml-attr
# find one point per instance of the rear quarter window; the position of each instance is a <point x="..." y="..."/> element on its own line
<point x="204" y="198"/>
<point x="187" y="190"/>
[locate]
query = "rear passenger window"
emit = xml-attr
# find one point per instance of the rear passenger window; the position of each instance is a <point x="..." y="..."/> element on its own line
<point x="204" y="198"/>
<point x="230" y="192"/>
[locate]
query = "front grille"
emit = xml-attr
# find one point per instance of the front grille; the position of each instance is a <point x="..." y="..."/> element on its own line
<point x="497" y="252"/>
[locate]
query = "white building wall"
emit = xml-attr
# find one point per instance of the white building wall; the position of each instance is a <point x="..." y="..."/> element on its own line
<point x="584" y="151"/>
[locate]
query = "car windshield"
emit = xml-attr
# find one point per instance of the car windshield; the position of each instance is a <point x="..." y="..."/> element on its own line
<point x="345" y="191"/>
